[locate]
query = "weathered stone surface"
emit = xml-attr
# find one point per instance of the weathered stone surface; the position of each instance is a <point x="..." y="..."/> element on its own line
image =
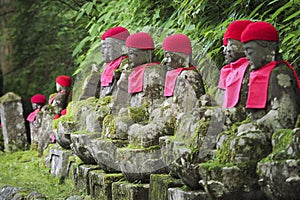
<point x="90" y="84"/>
<point x="86" y="115"/>
<point x="230" y="181"/>
<point x="79" y="146"/>
<point x="120" y="94"/>
<point x="13" y="123"/>
<point x="101" y="184"/>
<point x="129" y="191"/>
<point x="7" y="192"/>
<point x="180" y="194"/>
<point x="63" y="133"/>
<point x="159" y="185"/>
<point x="188" y="89"/>
<point x="152" y="94"/>
<point x="46" y="129"/>
<point x="279" y="172"/>
<point x="104" y="152"/>
<point x="59" y="159"/>
<point x="82" y="177"/>
<point x="35" y="128"/>
<point x="137" y="164"/>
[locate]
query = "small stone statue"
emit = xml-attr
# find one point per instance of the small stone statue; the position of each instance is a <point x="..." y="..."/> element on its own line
<point x="178" y="51"/>
<point x="232" y="74"/>
<point x="273" y="95"/>
<point x="35" y="117"/>
<point x="146" y="81"/>
<point x="113" y="51"/>
<point x="61" y="99"/>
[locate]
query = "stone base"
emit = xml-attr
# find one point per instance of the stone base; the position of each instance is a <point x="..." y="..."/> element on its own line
<point x="180" y="194"/>
<point x="129" y="191"/>
<point x="137" y="164"/>
<point x="60" y="162"/>
<point x="101" y="184"/>
<point x="159" y="185"/>
<point x="81" y="177"/>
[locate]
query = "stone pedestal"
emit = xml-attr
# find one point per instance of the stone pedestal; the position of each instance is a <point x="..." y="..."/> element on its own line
<point x="79" y="145"/>
<point x="159" y="185"/>
<point x="101" y="184"/>
<point x="104" y="151"/>
<point x="60" y="162"/>
<point x="129" y="191"/>
<point x="82" y="177"/>
<point x="180" y="194"/>
<point x="138" y="164"/>
<point x="13" y="123"/>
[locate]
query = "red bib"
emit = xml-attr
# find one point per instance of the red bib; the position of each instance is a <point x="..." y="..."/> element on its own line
<point x="32" y="115"/>
<point x="223" y="75"/>
<point x="136" y="78"/>
<point x="234" y="82"/>
<point x="171" y="77"/>
<point x="258" y="84"/>
<point x="108" y="73"/>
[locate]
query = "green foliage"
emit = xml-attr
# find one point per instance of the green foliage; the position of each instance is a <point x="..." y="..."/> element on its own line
<point x="26" y="170"/>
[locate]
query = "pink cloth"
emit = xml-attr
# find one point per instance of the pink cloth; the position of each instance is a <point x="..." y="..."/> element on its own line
<point x="108" y="73"/>
<point x="258" y="86"/>
<point x="171" y="77"/>
<point x="32" y="115"/>
<point x="223" y="75"/>
<point x="234" y="82"/>
<point x="136" y="78"/>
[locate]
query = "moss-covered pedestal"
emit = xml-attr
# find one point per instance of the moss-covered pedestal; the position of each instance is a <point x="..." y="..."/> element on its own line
<point x="100" y="184"/>
<point x="279" y="172"/>
<point x="129" y="191"/>
<point x="159" y="185"/>
<point x="138" y="163"/>
<point x="80" y="146"/>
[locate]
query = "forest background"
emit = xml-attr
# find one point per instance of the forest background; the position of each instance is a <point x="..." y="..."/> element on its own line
<point x="40" y="40"/>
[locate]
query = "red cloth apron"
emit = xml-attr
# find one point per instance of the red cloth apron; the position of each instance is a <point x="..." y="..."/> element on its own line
<point x="32" y="115"/>
<point x="108" y="73"/>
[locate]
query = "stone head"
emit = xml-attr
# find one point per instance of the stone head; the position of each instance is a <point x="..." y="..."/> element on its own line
<point x="113" y="43"/>
<point x="260" y="41"/>
<point x="140" y="49"/>
<point x="38" y="101"/>
<point x="63" y="83"/>
<point x="177" y="51"/>
<point x="233" y="47"/>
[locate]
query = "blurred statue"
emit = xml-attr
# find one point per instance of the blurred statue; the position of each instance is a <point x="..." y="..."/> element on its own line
<point x="35" y="117"/>
<point x="113" y="52"/>
<point x="61" y="99"/>
<point x="233" y="76"/>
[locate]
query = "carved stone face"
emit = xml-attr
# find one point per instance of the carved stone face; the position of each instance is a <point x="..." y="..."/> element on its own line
<point x="111" y="49"/>
<point x="175" y="60"/>
<point x="233" y="51"/>
<point x="138" y="57"/>
<point x="35" y="106"/>
<point x="258" y="55"/>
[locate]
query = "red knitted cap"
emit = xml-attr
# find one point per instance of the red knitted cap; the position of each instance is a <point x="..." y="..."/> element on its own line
<point x="38" y="98"/>
<point x="64" y="80"/>
<point x="118" y="32"/>
<point x="235" y="30"/>
<point x="177" y="43"/>
<point x="140" y="40"/>
<point x="260" y="31"/>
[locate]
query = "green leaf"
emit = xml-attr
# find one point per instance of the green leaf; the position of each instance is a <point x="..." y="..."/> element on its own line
<point x="78" y="48"/>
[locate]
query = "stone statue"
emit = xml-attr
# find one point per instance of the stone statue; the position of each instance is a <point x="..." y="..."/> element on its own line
<point x="113" y="52"/>
<point x="272" y="104"/>
<point x="35" y="117"/>
<point x="273" y="95"/>
<point x="61" y="99"/>
<point x="232" y="75"/>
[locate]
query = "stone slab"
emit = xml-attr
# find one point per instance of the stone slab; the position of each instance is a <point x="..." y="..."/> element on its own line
<point x="129" y="191"/>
